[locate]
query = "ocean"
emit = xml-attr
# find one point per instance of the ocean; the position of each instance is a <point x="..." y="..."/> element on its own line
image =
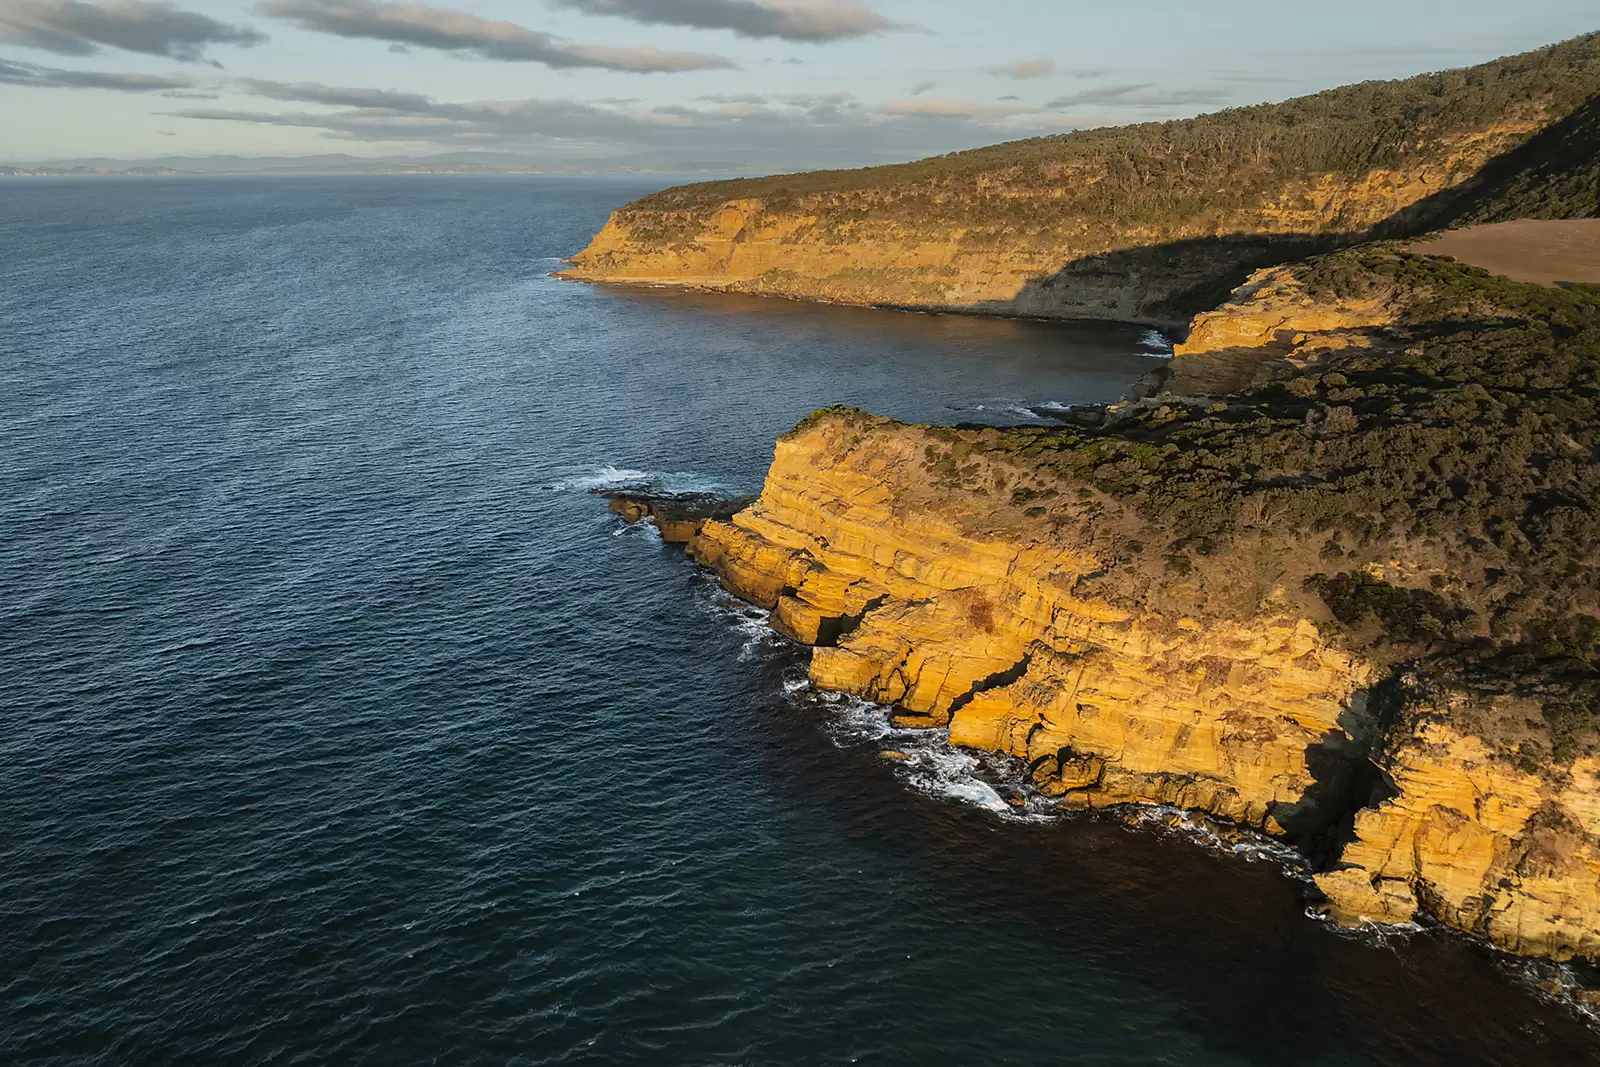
<point x="343" y="725"/>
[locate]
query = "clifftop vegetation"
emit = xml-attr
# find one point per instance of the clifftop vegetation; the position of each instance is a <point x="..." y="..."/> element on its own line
<point x="1435" y="497"/>
<point x="1218" y="173"/>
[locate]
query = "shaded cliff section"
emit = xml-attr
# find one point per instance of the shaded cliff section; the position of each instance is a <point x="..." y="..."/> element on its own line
<point x="1350" y="603"/>
<point x="1149" y="223"/>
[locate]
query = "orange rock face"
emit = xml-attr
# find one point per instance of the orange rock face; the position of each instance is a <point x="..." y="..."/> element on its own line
<point x="966" y="614"/>
<point x="1001" y="241"/>
<point x="1485" y="847"/>
<point x="1273" y="312"/>
<point x="916" y="601"/>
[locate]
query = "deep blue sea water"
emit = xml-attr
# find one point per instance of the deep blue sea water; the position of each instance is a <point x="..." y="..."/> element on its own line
<point x="341" y="725"/>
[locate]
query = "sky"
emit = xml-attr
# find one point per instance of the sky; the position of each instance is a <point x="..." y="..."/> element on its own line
<point x="780" y="83"/>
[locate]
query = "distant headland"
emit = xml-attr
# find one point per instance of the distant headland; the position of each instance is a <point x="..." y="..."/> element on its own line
<point x="1330" y="574"/>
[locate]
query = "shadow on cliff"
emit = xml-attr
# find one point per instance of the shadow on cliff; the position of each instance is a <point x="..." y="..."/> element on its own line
<point x="1164" y="284"/>
<point x="1221" y="944"/>
<point x="1346" y="776"/>
<point x="1554" y="174"/>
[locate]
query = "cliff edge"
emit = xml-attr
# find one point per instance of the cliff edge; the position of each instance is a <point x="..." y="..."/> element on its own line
<point x="1350" y="603"/>
<point x="1148" y="223"/>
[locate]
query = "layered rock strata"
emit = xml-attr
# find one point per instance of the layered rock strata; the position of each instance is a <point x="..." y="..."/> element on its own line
<point x="1144" y="223"/>
<point x="1042" y="238"/>
<point x="970" y="613"/>
<point x="1510" y="854"/>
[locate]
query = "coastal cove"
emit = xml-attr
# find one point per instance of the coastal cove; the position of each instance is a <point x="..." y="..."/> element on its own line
<point x="349" y="727"/>
<point x="1326" y="576"/>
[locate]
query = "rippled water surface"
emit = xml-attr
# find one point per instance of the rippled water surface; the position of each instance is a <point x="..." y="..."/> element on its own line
<point x="341" y="725"/>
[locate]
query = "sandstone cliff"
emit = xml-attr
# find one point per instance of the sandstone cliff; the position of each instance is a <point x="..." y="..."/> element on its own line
<point x="1333" y="580"/>
<point x="946" y="591"/>
<point x="1274" y="326"/>
<point x="966" y="613"/>
<point x="1509" y="854"/>
<point x="1148" y="223"/>
<point x="1348" y="600"/>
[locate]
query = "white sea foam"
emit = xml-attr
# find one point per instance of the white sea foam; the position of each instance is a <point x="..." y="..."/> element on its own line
<point x="1252" y="847"/>
<point x="645" y="530"/>
<point x="611" y="476"/>
<point x="976" y="793"/>
<point x="1382" y="935"/>
<point x="1155" y="343"/>
<point x="854" y="721"/>
<point x="997" y="408"/>
<point x="606" y="477"/>
<point x="751" y="623"/>
<point x="930" y="764"/>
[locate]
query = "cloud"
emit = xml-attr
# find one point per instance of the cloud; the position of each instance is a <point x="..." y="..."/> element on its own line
<point x="949" y="108"/>
<point x="316" y="93"/>
<point x="425" y="26"/>
<point x="791" y="130"/>
<point x="1025" y="69"/>
<point x="53" y="78"/>
<point x="792" y="20"/>
<point x="923" y="87"/>
<point x="1251" y="77"/>
<point x="715" y="98"/>
<point x="73" y="28"/>
<point x="1138" y="96"/>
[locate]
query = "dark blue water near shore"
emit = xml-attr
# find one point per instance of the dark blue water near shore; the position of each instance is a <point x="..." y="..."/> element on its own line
<point x="341" y="725"/>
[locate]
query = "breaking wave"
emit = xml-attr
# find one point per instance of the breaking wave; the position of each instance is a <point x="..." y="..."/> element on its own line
<point x="611" y="476"/>
<point x="1155" y="343"/>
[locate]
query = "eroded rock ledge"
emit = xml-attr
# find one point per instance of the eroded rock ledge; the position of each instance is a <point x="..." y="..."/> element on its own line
<point x="1148" y="223"/>
<point x="1333" y="580"/>
<point x="967" y="611"/>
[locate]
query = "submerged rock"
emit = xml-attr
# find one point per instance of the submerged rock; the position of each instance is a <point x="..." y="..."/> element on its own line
<point x="679" y="516"/>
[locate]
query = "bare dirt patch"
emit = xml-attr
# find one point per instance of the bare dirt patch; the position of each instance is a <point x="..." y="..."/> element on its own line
<point x="1545" y="252"/>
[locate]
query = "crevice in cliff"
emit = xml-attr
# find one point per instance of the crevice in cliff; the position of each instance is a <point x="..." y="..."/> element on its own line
<point x="997" y="680"/>
<point x="1346" y="776"/>
<point x="836" y="628"/>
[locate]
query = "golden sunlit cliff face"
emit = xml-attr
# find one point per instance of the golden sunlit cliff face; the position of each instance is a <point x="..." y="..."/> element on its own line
<point x="967" y="614"/>
<point x="1148" y="223"/>
<point x="1331" y="578"/>
<point x="1273" y="325"/>
<point x="863" y="248"/>
<point x="1482" y="845"/>
<point x="944" y="592"/>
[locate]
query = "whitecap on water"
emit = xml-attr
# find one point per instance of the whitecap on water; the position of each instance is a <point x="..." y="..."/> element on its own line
<point x="606" y="477"/>
<point x="1155" y="343"/>
<point x="638" y="529"/>
<point x="1219" y="837"/>
<point x="851" y="720"/>
<point x="611" y="476"/>
<point x="997" y="409"/>
<point x="931" y="764"/>
<point x="751" y="623"/>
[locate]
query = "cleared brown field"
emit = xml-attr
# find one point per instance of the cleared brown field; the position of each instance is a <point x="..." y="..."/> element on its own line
<point x="1546" y="252"/>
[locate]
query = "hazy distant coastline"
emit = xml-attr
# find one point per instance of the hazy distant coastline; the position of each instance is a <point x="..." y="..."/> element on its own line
<point x="478" y="163"/>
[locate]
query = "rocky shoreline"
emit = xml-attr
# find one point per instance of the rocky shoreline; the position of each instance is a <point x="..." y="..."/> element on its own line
<point x="1077" y="788"/>
<point x="1328" y="576"/>
<point x="1018" y="589"/>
